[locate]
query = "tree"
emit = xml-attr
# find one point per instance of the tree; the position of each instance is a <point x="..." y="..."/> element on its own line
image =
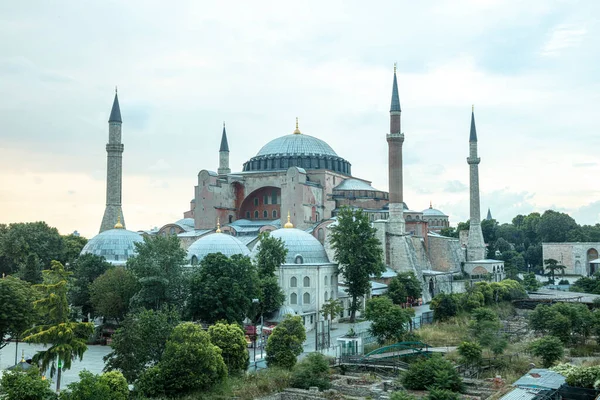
<point x="190" y="363"/>
<point x="488" y="228"/>
<point x="358" y="253"/>
<point x="72" y="246"/>
<point x="111" y="293"/>
<point x="67" y="339"/>
<point x="16" y="313"/>
<point x="285" y="343"/>
<point x="230" y="338"/>
<point x="108" y="386"/>
<point x="470" y="353"/>
<point x="85" y="270"/>
<point x="223" y="288"/>
<point x="270" y="295"/>
<point x="530" y="283"/>
<point x="331" y="309"/>
<point x="552" y="266"/>
<point x="403" y="286"/>
<point x="270" y="256"/>
<point x="449" y="232"/>
<point x="389" y="321"/>
<point x="158" y="266"/>
<point x="310" y="372"/>
<point x="554" y="226"/>
<point x="28" y="385"/>
<point x="444" y="306"/>
<point x="140" y="341"/>
<point x="549" y="349"/>
<point x="432" y="372"/>
<point x="31" y="270"/>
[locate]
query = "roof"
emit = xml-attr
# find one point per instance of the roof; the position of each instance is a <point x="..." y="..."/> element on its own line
<point x="395" y="106"/>
<point x="224" y="144"/>
<point x="216" y="243"/>
<point x="378" y="288"/>
<point x="430" y="212"/>
<point x="488" y="261"/>
<point x="596" y="261"/>
<point x="540" y="378"/>
<point x="473" y="135"/>
<point x="115" y="245"/>
<point x="519" y="394"/>
<point x="115" y="112"/>
<point x="296" y="144"/>
<point x="194" y="233"/>
<point x="355" y="184"/>
<point x="299" y="243"/>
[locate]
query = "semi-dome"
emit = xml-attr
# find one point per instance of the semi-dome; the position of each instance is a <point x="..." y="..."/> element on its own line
<point x="115" y="245"/>
<point x="303" y="248"/>
<point x="215" y="243"/>
<point x="297" y="150"/>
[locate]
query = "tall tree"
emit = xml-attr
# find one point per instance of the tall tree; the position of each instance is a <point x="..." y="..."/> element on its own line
<point x="358" y="253"/>
<point x="85" y="270"/>
<point x="403" y="286"/>
<point x="271" y="255"/>
<point x="285" y="343"/>
<point x="223" y="288"/>
<point x="388" y="321"/>
<point x="72" y="246"/>
<point x="16" y="313"/>
<point x="111" y="292"/>
<point x="159" y="267"/>
<point x="554" y="226"/>
<point x="31" y="269"/>
<point x="67" y="339"/>
<point x="231" y="340"/>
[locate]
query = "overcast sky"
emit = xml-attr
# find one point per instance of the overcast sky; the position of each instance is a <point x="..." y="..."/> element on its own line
<point x="182" y="68"/>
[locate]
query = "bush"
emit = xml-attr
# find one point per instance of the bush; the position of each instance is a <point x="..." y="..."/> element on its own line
<point x="285" y="343"/>
<point x="108" y="386"/>
<point x="444" y="306"/>
<point x="16" y="385"/>
<point x="230" y="339"/>
<point x="584" y="377"/>
<point x="312" y="371"/>
<point x="549" y="349"/>
<point x="402" y="395"/>
<point x="442" y="394"/>
<point x="470" y="353"/>
<point x="432" y="372"/>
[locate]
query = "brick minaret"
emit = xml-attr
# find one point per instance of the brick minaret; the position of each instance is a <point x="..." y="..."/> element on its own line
<point x="475" y="243"/>
<point x="114" y="170"/>
<point x="395" y="140"/>
<point x="224" y="154"/>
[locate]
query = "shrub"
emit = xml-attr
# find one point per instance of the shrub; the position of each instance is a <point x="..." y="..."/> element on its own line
<point x="549" y="349"/>
<point x="108" y="386"/>
<point x="285" y="343"/>
<point x="230" y="339"/>
<point x="584" y="377"/>
<point x="442" y="394"/>
<point x="444" y="306"/>
<point x="402" y="395"/>
<point x="470" y="352"/>
<point x="312" y="371"/>
<point x="431" y="372"/>
<point x="16" y="385"/>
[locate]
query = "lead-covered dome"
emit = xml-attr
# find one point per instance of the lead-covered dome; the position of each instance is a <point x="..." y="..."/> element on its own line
<point x="432" y="212"/>
<point x="115" y="245"/>
<point x="303" y="248"/>
<point x="297" y="150"/>
<point x="215" y="243"/>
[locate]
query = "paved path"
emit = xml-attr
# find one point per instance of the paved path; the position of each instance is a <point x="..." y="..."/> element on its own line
<point x="412" y="351"/>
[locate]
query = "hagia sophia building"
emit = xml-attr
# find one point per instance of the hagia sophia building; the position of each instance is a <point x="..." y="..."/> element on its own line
<point x="293" y="187"/>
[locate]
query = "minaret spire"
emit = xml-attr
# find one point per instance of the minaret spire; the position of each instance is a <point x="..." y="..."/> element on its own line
<point x="114" y="169"/>
<point x="224" y="154"/>
<point x="395" y="140"/>
<point x="489" y="215"/>
<point x="475" y="243"/>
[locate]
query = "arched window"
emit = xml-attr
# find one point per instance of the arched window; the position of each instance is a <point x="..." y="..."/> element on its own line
<point x="274" y="214"/>
<point x="194" y="260"/>
<point x="256" y="201"/>
<point x="256" y="214"/>
<point x="325" y="297"/>
<point x="265" y="214"/>
<point x="172" y="230"/>
<point x="326" y="280"/>
<point x="299" y="260"/>
<point x="293" y="298"/>
<point x="306" y="281"/>
<point x="317" y="217"/>
<point x="293" y="282"/>
<point x="247" y="214"/>
<point x="230" y="218"/>
<point x="306" y="298"/>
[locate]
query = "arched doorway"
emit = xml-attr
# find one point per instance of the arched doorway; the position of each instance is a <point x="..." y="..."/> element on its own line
<point x="592" y="254"/>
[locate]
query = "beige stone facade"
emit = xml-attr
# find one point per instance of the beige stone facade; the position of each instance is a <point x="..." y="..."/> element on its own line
<point x="574" y="256"/>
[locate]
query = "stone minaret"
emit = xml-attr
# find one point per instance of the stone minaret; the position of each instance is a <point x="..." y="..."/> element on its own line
<point x="224" y="155"/>
<point x="475" y="244"/>
<point x="114" y="170"/>
<point x="395" y="140"/>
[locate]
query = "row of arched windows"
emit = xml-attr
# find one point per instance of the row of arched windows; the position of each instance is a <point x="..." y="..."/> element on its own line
<point x="306" y="281"/>
<point x="265" y="214"/>
<point x="306" y="298"/>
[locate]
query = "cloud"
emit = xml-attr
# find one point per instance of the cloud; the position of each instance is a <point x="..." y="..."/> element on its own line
<point x="455" y="187"/>
<point x="563" y="37"/>
<point x="584" y="164"/>
<point x="159" y="166"/>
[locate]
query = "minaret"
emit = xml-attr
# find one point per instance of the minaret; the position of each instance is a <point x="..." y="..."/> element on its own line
<point x="395" y="139"/>
<point x="224" y="154"/>
<point x="475" y="244"/>
<point x="489" y="215"/>
<point x="114" y="169"/>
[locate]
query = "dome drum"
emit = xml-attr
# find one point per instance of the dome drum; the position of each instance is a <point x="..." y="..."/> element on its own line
<point x="282" y="162"/>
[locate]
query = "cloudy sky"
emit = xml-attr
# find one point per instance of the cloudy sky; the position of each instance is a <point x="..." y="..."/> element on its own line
<point x="182" y="68"/>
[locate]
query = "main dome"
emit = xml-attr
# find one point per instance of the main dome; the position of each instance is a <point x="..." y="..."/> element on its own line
<point x="297" y="150"/>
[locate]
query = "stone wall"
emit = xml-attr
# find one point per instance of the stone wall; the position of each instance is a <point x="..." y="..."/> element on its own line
<point x="445" y="254"/>
<point x="574" y="256"/>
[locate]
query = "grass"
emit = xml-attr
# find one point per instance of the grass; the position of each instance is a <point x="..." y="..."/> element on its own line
<point x="588" y="349"/>
<point x="449" y="333"/>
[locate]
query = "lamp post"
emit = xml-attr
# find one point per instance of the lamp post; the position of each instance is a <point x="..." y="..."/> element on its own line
<point x="58" y="375"/>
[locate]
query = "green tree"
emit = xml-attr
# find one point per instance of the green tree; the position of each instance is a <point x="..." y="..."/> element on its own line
<point x="111" y="293"/>
<point x="230" y="338"/>
<point x="310" y="372"/>
<point x="358" y="253"/>
<point x="552" y="266"/>
<point x="223" y="288"/>
<point x="31" y="269"/>
<point x="85" y="270"/>
<point x="270" y="256"/>
<point x="550" y="349"/>
<point x="488" y="228"/>
<point x="108" y="386"/>
<point x="442" y="394"/>
<point x="72" y="246"/>
<point x="190" y="363"/>
<point x="403" y="286"/>
<point x="444" y="306"/>
<point x="159" y="267"/>
<point x="554" y="226"/>
<point x="432" y="372"/>
<point x="449" y="232"/>
<point x="140" y="341"/>
<point x="270" y="295"/>
<point x="285" y="343"/>
<point x="530" y="283"/>
<point x="388" y="321"/>
<point x="28" y="385"/>
<point x="533" y="256"/>
<point x="67" y="339"/>
<point x="331" y="309"/>
<point x="16" y="313"/>
<point x="470" y="353"/>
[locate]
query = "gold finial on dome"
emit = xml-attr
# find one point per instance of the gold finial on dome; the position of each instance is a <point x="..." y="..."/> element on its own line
<point x="297" y="131"/>
<point x="218" y="225"/>
<point x="430" y="206"/>
<point x="288" y="224"/>
<point x="22" y="356"/>
<point x="119" y="225"/>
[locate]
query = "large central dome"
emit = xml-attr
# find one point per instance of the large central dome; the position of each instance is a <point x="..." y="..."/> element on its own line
<point x="297" y="150"/>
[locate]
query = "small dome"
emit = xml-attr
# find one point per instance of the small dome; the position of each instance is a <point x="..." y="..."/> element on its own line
<point x="432" y="212"/>
<point x="355" y="184"/>
<point x="215" y="243"/>
<point x="115" y="245"/>
<point x="189" y="222"/>
<point x="282" y="313"/>
<point x="303" y="248"/>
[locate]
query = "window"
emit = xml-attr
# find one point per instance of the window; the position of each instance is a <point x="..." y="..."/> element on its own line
<point x="306" y="298"/>
<point x="306" y="282"/>
<point x="293" y="282"/>
<point x="325" y="297"/>
<point x="326" y="280"/>
<point x="248" y="214"/>
<point x="299" y="260"/>
<point x="274" y="197"/>
<point x="311" y="320"/>
<point x="266" y="199"/>
<point x="293" y="298"/>
<point x="194" y="260"/>
<point x="265" y="214"/>
<point x="230" y="218"/>
<point x="317" y="217"/>
<point x="274" y="214"/>
<point x="256" y="201"/>
<point x="256" y="214"/>
<point x="172" y="230"/>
